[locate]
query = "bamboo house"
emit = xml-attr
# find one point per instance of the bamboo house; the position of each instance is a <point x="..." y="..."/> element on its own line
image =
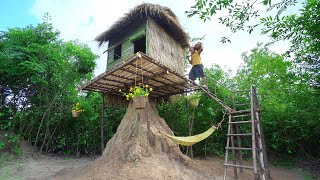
<point x="145" y="46"/>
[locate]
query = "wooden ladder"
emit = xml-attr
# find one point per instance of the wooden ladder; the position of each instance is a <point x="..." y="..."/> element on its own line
<point x="245" y="134"/>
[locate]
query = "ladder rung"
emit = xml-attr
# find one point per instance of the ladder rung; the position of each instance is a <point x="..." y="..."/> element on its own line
<point x="240" y="166"/>
<point x="237" y="148"/>
<point x="241" y="111"/>
<point x="239" y="122"/>
<point x="247" y="90"/>
<point x="242" y="104"/>
<point x="248" y="134"/>
<point x="244" y="115"/>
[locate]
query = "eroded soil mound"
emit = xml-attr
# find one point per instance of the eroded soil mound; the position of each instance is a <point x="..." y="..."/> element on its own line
<point x="139" y="151"/>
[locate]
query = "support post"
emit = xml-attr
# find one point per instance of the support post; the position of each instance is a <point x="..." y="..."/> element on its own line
<point x="102" y="124"/>
<point x="254" y="156"/>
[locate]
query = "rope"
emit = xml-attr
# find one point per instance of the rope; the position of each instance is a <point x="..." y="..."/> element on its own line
<point x="141" y="70"/>
<point x="135" y="76"/>
<point x="219" y="124"/>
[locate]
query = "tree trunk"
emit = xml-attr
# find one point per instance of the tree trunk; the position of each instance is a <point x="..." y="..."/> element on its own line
<point x="45" y="137"/>
<point x="48" y="142"/>
<point x="43" y="117"/>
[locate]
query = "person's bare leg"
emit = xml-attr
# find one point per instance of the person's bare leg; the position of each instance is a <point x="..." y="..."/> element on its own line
<point x="193" y="82"/>
<point x="204" y="82"/>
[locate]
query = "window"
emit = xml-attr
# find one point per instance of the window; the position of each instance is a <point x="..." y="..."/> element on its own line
<point x="117" y="52"/>
<point x="140" y="45"/>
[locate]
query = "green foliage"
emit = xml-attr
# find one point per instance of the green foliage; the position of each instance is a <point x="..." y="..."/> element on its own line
<point x="288" y="103"/>
<point x="194" y="95"/>
<point x="301" y="29"/>
<point x="10" y="143"/>
<point x="39" y="74"/>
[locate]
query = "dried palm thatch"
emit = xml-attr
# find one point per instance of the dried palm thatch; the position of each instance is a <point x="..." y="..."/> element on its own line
<point x="162" y="15"/>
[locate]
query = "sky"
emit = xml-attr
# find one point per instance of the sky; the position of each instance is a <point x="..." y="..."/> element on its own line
<point x="85" y="19"/>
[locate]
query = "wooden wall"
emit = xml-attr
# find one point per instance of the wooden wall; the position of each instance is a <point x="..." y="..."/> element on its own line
<point x="126" y="41"/>
<point x="163" y="48"/>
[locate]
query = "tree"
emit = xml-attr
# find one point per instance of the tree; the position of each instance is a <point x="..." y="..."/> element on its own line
<point x="288" y="103"/>
<point x="302" y="30"/>
<point x="39" y="74"/>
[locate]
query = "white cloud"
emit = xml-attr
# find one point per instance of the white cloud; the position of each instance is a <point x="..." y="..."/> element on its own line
<point x="85" y="19"/>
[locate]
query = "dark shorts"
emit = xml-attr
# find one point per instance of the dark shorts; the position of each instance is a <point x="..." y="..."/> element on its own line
<point x="196" y="72"/>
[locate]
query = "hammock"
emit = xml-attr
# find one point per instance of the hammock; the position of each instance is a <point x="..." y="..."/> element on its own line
<point x="190" y="140"/>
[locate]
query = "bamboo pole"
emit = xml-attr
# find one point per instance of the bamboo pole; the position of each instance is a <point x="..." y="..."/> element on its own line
<point x="254" y="156"/>
<point x="235" y="174"/>
<point x="102" y="124"/>
<point x="227" y="151"/>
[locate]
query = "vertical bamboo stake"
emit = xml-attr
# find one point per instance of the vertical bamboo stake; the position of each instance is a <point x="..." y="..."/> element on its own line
<point x="254" y="157"/>
<point x="102" y="124"/>
<point x="227" y="150"/>
<point x="233" y="153"/>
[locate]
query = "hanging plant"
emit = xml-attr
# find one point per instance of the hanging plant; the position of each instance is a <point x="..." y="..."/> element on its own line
<point x="76" y="110"/>
<point x="137" y="91"/>
<point x="193" y="99"/>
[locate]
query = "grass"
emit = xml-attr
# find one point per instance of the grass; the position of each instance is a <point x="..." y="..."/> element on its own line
<point x="6" y="164"/>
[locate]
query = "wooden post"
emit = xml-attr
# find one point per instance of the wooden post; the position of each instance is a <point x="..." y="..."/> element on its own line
<point x="254" y="156"/>
<point x="233" y="152"/>
<point x="102" y="124"/>
<point x="227" y="150"/>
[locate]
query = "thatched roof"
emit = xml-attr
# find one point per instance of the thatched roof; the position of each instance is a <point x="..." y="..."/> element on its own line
<point x="162" y="15"/>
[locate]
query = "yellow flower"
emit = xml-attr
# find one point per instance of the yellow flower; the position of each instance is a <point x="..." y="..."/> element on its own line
<point x="120" y="90"/>
<point x="138" y="90"/>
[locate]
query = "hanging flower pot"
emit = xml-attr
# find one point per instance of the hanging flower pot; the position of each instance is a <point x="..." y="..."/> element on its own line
<point x="76" y="110"/>
<point x="194" y="99"/>
<point x="194" y="102"/>
<point x="140" y="102"/>
<point x="75" y="113"/>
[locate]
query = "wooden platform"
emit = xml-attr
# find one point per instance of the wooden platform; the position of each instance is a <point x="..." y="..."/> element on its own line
<point x="140" y="69"/>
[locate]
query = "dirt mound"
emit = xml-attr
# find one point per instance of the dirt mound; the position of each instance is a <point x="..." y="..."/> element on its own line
<point x="139" y="151"/>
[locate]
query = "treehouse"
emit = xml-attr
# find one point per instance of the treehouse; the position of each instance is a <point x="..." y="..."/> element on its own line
<point x="145" y="46"/>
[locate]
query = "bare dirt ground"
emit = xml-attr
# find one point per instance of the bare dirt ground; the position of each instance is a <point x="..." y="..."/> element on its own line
<point x="47" y="167"/>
